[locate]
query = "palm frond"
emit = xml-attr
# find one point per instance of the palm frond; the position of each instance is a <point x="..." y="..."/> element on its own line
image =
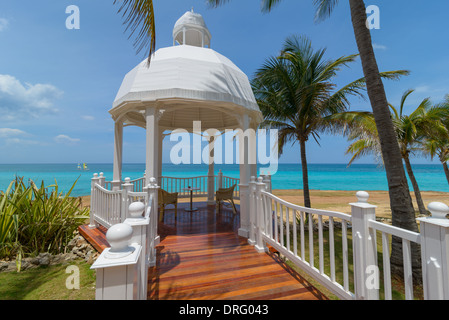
<point x="324" y="8"/>
<point x="140" y="22"/>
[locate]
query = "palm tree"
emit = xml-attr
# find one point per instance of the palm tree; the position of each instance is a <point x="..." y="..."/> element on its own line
<point x="410" y="130"/>
<point x="438" y="146"/>
<point x="296" y="94"/>
<point x="139" y="18"/>
<point x="436" y="142"/>
<point x="403" y="215"/>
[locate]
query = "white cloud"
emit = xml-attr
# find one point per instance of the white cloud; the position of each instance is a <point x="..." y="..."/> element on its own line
<point x="62" y="138"/>
<point x="16" y="138"/>
<point x="18" y="101"/>
<point x="379" y="46"/>
<point x="88" y="118"/>
<point x="20" y="141"/>
<point x="423" y="89"/>
<point x="3" y="24"/>
<point x="8" y="132"/>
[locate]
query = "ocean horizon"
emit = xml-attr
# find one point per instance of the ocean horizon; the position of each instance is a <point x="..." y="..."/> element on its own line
<point x="366" y="177"/>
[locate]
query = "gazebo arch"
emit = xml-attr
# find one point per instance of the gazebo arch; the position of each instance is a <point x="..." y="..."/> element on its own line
<point x="185" y="83"/>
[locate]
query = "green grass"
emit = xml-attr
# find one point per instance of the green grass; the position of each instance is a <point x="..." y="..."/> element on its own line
<point x="47" y="283"/>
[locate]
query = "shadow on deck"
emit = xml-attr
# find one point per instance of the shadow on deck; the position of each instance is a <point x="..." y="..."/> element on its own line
<point x="201" y="256"/>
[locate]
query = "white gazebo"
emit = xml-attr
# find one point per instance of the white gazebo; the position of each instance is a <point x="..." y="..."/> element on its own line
<point x="184" y="84"/>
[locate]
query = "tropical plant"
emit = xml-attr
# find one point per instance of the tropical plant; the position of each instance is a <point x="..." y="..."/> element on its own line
<point x="296" y="92"/>
<point x="410" y="129"/>
<point x="34" y="219"/>
<point x="403" y="214"/>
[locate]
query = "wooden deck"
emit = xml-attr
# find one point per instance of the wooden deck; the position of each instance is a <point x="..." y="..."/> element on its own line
<point x="201" y="257"/>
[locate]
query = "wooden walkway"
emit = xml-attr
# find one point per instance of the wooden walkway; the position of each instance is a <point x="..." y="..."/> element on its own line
<point x="201" y="256"/>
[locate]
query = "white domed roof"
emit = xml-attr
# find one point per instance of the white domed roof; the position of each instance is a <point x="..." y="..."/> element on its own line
<point x="191" y="29"/>
<point x="187" y="83"/>
<point x="191" y="18"/>
<point x="193" y="77"/>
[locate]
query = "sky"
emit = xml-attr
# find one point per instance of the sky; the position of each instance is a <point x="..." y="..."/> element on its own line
<point x="57" y="84"/>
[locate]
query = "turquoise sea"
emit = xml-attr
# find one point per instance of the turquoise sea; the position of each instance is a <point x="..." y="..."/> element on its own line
<point x="430" y="177"/>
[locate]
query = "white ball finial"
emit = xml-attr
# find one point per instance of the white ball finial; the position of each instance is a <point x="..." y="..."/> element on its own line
<point x="438" y="210"/>
<point x="362" y="196"/>
<point x="119" y="236"/>
<point x="136" y="209"/>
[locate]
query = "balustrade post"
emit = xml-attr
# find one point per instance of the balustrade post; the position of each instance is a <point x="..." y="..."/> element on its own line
<point x="435" y="252"/>
<point x="152" y="236"/>
<point x="210" y="185"/>
<point x="118" y="267"/>
<point x="126" y="187"/>
<point x="267" y="181"/>
<point x="252" y="211"/>
<point x="139" y="222"/>
<point x="260" y="216"/>
<point x="364" y="249"/>
<point x="93" y="199"/>
<point x="102" y="179"/>
<point x="220" y="179"/>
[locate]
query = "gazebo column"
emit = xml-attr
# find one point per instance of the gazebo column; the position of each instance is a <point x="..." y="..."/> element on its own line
<point x="253" y="166"/>
<point x="160" y="149"/>
<point x="210" y="173"/>
<point x="118" y="154"/>
<point x="152" y="144"/>
<point x="244" y="180"/>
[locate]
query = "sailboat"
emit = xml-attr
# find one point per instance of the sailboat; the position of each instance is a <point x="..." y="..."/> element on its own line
<point x="83" y="167"/>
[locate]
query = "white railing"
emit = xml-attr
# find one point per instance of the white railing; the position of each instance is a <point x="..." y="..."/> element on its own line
<point x="174" y="184"/>
<point x="407" y="238"/>
<point x="284" y="225"/>
<point x="109" y="207"/>
<point x="304" y="235"/>
<point x="106" y="206"/>
<point x="132" y="251"/>
<point x="138" y="184"/>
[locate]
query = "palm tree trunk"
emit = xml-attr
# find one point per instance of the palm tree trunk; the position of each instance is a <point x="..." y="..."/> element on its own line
<point x="305" y="175"/>
<point x="403" y="215"/>
<point x="421" y="207"/>
<point x="446" y="170"/>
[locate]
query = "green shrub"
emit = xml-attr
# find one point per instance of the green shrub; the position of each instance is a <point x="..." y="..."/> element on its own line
<point x="34" y="219"/>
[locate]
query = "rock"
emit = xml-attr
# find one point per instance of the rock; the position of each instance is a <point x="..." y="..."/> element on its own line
<point x="44" y="259"/>
<point x="77" y="248"/>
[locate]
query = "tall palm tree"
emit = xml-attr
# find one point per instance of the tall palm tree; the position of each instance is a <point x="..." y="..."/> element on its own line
<point x="400" y="200"/>
<point x="410" y="129"/>
<point x="296" y="93"/>
<point x="139" y="20"/>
